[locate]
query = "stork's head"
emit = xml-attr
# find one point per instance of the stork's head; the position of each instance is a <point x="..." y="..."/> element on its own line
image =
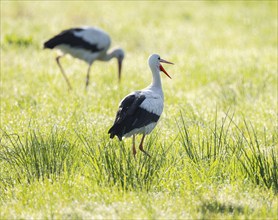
<point x="154" y="62"/>
<point x="119" y="54"/>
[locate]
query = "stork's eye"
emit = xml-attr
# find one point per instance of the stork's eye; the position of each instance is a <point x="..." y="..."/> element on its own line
<point x="158" y="58"/>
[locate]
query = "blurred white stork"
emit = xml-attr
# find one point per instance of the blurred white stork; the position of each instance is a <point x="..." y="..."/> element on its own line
<point x="85" y="43"/>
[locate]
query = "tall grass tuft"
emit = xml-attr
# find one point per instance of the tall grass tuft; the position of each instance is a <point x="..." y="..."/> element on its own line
<point x="259" y="158"/>
<point x="114" y="164"/>
<point x="210" y="143"/>
<point x="34" y="156"/>
<point x="227" y="143"/>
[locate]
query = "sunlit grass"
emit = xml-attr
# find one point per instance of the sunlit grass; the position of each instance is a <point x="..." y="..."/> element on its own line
<point x="36" y="157"/>
<point x="214" y="151"/>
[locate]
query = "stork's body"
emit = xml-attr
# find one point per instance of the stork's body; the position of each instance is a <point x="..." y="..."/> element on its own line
<point x="140" y="111"/>
<point x="87" y="44"/>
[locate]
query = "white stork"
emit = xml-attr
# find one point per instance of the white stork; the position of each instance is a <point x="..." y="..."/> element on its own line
<point x="85" y="43"/>
<point x="139" y="111"/>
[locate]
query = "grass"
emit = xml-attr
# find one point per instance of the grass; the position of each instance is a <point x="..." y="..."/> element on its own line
<point x="37" y="157"/>
<point x="214" y="152"/>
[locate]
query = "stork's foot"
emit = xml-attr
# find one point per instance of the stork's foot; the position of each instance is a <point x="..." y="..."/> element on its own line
<point x="88" y="77"/>
<point x="87" y="84"/>
<point x="63" y="72"/>
<point x="134" y="152"/>
<point x="145" y="152"/>
<point x="133" y="146"/>
<point x="141" y="146"/>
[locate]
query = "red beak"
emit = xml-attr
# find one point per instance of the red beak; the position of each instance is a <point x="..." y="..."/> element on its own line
<point x="162" y="69"/>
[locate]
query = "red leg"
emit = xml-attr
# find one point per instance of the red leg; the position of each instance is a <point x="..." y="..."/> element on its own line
<point x="133" y="146"/>
<point x="61" y="68"/>
<point x="141" y="146"/>
<point x="88" y="76"/>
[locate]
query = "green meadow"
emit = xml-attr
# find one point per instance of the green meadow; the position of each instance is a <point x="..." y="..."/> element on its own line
<point x="215" y="149"/>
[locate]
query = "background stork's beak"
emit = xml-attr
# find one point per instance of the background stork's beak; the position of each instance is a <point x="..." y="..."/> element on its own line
<point x="162" y="69"/>
<point x="119" y="69"/>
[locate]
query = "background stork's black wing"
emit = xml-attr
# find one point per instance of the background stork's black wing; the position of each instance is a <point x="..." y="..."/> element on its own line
<point x="67" y="37"/>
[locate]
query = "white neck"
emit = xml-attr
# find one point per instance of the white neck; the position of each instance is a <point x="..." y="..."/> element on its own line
<point x="108" y="56"/>
<point x="156" y="83"/>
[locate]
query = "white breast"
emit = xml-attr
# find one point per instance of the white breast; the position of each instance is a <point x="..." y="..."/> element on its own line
<point x="153" y="102"/>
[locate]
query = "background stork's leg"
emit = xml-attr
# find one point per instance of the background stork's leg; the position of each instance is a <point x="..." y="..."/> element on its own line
<point x="133" y="146"/>
<point x="62" y="70"/>
<point x="88" y="76"/>
<point x="141" y="146"/>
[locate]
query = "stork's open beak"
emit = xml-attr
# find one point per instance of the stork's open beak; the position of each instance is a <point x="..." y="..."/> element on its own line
<point x="161" y="67"/>
<point x="119" y="69"/>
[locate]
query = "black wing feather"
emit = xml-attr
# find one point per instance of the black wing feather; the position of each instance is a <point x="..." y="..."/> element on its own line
<point x="131" y="116"/>
<point x="67" y="37"/>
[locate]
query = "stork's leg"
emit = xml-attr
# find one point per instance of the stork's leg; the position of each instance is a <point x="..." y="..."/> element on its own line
<point x="88" y="76"/>
<point x="61" y="68"/>
<point x="133" y="146"/>
<point x="141" y="146"/>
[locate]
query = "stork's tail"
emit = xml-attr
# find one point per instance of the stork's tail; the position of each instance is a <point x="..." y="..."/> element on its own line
<point x="113" y="131"/>
<point x="50" y="44"/>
